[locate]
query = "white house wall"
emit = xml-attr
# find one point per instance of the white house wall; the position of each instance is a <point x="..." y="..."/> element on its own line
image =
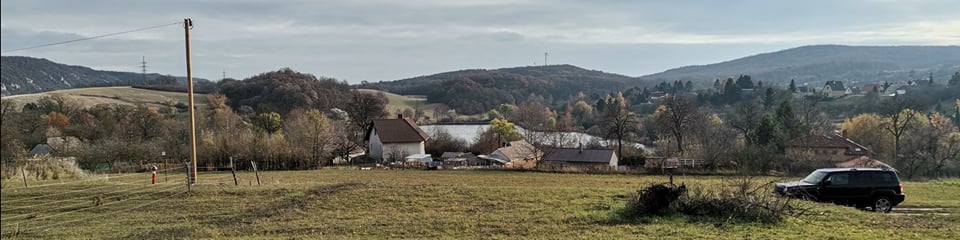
<point x="376" y="147"/>
<point x="406" y="148"/>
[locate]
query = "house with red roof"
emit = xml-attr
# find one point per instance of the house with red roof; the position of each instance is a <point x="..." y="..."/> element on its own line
<point x="395" y="139"/>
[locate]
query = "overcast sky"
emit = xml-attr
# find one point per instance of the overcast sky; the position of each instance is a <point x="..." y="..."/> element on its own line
<point x="389" y="40"/>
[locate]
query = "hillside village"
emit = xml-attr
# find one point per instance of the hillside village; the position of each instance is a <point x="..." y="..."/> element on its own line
<point x="737" y="125"/>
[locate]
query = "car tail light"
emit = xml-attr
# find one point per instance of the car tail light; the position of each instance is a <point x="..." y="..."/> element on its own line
<point x="901" y="188"/>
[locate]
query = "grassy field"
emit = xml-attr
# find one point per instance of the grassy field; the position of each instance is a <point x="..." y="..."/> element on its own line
<point x="347" y="203"/>
<point x="399" y="102"/>
<point x="113" y="95"/>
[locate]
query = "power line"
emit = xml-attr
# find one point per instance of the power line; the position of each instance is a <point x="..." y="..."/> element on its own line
<point x="89" y="38"/>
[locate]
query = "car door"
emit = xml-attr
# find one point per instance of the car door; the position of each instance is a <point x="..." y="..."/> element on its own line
<point x="861" y="185"/>
<point x="836" y="187"/>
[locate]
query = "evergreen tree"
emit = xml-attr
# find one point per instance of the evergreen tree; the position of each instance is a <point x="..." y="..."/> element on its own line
<point x="760" y="84"/>
<point x="792" y="127"/>
<point x="716" y="84"/>
<point x="689" y="86"/>
<point x="745" y="82"/>
<point x="793" y="86"/>
<point x="768" y="131"/>
<point x="955" y="80"/>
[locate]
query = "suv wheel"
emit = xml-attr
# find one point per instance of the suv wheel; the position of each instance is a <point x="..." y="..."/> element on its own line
<point x="882" y="204"/>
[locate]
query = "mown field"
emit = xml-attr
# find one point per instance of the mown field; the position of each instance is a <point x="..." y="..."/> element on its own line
<point x="89" y="97"/>
<point x="348" y="203"/>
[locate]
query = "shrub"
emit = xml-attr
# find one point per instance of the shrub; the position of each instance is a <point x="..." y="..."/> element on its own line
<point x="654" y="200"/>
<point x="739" y="200"/>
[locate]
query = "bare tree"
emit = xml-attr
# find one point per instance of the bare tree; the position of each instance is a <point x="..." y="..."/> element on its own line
<point x="618" y="121"/>
<point x="899" y="121"/>
<point x="675" y="116"/>
<point x="745" y="118"/>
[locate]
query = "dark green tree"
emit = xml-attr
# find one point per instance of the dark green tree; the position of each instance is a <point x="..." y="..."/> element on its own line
<point x="716" y="84"/>
<point x="793" y="86"/>
<point x="745" y="82"/>
<point x="787" y="118"/>
<point x="955" y="80"/>
<point x="768" y="131"/>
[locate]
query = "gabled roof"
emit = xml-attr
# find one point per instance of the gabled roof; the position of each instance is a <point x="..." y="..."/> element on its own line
<point x="821" y="141"/>
<point x="41" y="149"/>
<point x="518" y="150"/>
<point x="863" y="162"/>
<point x="579" y="155"/>
<point x="398" y="131"/>
<point x="836" y="86"/>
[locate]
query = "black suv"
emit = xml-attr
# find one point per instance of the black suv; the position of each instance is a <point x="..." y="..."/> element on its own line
<point x="879" y="189"/>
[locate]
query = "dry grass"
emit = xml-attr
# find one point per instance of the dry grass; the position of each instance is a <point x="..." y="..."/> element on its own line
<point x="111" y="95"/>
<point x="381" y="204"/>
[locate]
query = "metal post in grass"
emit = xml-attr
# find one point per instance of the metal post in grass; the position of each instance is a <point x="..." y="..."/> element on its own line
<point x="24" y="174"/>
<point x="189" y="183"/>
<point x="256" y="172"/>
<point x="234" y="171"/>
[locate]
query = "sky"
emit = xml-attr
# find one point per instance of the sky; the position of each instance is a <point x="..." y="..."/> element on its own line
<point x="384" y="40"/>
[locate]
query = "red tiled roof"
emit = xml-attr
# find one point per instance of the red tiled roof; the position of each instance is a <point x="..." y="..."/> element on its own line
<point x="398" y="131"/>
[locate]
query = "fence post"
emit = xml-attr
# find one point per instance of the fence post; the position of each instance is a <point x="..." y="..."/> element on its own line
<point x="24" y="174"/>
<point x="189" y="182"/>
<point x="234" y="171"/>
<point x="256" y="172"/>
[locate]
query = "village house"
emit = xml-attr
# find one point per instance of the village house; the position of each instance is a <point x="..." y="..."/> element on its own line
<point x="395" y="139"/>
<point x="834" y="89"/>
<point x="459" y="159"/>
<point x="55" y="145"/>
<point x="580" y="157"/>
<point x="834" y="149"/>
<point x="515" y="151"/>
<point x="872" y="88"/>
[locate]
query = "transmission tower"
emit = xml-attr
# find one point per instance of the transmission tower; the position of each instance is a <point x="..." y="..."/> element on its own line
<point x="143" y="69"/>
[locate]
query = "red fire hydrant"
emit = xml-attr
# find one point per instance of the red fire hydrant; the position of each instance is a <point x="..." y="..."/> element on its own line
<point x="153" y="179"/>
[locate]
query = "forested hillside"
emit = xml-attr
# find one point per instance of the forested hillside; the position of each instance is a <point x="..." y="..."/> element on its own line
<point x="477" y="91"/>
<point x="22" y="75"/>
<point x="821" y="63"/>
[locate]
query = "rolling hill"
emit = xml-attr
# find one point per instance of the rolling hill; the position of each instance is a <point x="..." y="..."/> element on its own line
<point x="22" y="75"/>
<point x="820" y="63"/>
<point x="478" y="90"/>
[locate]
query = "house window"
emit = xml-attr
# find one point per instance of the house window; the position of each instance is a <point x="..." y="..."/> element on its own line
<point x="857" y="149"/>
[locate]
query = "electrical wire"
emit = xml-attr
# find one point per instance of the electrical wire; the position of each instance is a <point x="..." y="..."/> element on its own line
<point x="70" y="199"/>
<point x="89" y="38"/>
<point x="79" y="190"/>
<point x="111" y="213"/>
<point x="107" y="177"/>
<point x="132" y="191"/>
<point x="172" y="187"/>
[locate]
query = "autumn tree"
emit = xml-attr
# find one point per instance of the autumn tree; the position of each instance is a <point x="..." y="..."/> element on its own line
<point x="269" y="122"/>
<point x="675" y="116"/>
<point x="866" y="129"/>
<point x="899" y="119"/>
<point x="618" y="121"/>
<point x="309" y="128"/>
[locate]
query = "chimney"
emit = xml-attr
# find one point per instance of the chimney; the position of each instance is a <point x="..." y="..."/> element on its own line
<point x="843" y="133"/>
<point x="581" y="147"/>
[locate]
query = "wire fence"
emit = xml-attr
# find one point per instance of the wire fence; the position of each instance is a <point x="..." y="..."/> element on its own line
<point x="49" y="206"/>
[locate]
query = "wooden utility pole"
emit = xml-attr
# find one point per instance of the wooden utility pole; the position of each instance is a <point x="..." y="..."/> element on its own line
<point x="187" y="25"/>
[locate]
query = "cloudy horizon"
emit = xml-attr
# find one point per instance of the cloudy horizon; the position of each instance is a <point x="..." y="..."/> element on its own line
<point x="382" y="40"/>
